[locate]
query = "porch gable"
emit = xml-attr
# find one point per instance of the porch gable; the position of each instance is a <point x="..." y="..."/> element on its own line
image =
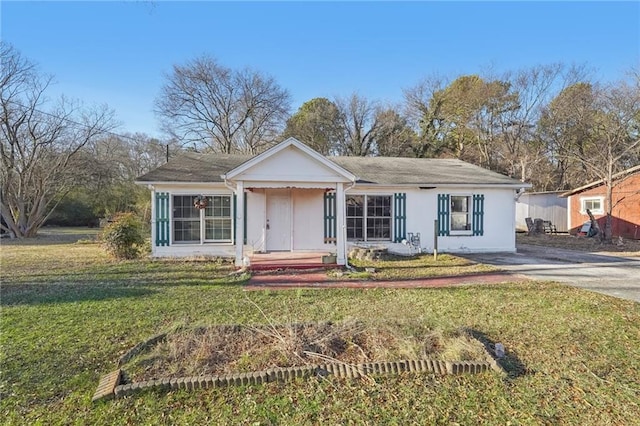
<point x="288" y="163"/>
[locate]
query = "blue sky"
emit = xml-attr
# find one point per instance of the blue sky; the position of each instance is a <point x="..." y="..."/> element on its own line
<point x="117" y="52"/>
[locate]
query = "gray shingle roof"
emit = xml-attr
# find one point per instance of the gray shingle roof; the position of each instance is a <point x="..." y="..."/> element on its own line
<point x="419" y="171"/>
<point x="192" y="167"/>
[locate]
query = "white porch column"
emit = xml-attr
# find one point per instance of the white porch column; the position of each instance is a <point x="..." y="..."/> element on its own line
<point x="153" y="220"/>
<point x="341" y="255"/>
<point x="239" y="222"/>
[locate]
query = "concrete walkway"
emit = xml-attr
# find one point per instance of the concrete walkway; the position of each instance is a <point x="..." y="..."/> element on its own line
<point x="603" y="273"/>
<point x="600" y="272"/>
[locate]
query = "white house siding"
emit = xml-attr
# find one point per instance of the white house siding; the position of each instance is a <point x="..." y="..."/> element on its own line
<point x="289" y="167"/>
<point x="308" y="220"/>
<point x="197" y="250"/>
<point x="498" y="219"/>
<point x="298" y="177"/>
<point x="307" y="226"/>
<point x="256" y="213"/>
<point x="189" y="249"/>
<point x="422" y="211"/>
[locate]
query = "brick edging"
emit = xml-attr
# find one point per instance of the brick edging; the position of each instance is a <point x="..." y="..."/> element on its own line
<point x="284" y="374"/>
<point x="107" y="385"/>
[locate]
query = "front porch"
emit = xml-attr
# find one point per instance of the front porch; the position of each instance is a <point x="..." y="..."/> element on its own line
<point x="289" y="260"/>
<point x="287" y="207"/>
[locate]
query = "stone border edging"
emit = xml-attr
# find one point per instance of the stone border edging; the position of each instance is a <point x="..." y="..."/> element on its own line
<point x="284" y="374"/>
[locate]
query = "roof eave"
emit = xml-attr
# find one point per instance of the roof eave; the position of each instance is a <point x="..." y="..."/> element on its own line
<point x="448" y="185"/>
<point x="593" y="184"/>
<point x="174" y="182"/>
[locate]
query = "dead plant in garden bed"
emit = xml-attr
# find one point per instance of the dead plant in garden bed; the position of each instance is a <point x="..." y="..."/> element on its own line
<point x="231" y="349"/>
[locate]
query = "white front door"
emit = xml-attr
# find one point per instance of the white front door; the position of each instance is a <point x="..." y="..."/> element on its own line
<point x="278" y="219"/>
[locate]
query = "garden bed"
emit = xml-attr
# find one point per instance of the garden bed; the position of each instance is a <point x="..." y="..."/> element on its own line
<point x="206" y="357"/>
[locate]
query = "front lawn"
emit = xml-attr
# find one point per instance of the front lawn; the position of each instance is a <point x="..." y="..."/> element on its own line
<point x="68" y="312"/>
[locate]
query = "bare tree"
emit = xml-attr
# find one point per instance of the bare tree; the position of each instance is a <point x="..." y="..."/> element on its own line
<point x="597" y="128"/>
<point x="38" y="147"/>
<point x="522" y="152"/>
<point x="204" y="104"/>
<point x="130" y="155"/>
<point x="618" y="140"/>
<point x="461" y="119"/>
<point x="358" y="118"/>
<point x="112" y="163"/>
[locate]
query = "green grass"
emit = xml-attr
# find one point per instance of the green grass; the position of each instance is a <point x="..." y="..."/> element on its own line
<point x="68" y="312"/>
<point x="420" y="266"/>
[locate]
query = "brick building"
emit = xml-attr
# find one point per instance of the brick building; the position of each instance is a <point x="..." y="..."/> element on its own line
<point x="626" y="204"/>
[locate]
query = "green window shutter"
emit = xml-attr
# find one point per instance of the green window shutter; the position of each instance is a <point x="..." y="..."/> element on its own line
<point x="330" y="223"/>
<point x="478" y="214"/>
<point x="443" y="214"/>
<point x="400" y="216"/>
<point x="244" y="220"/>
<point x="162" y="219"/>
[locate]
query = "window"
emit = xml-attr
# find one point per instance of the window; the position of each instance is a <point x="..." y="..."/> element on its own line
<point x="378" y="217"/>
<point x="211" y="224"/>
<point x="594" y="204"/>
<point x="217" y="219"/>
<point x="369" y="217"/>
<point x="186" y="219"/>
<point x="460" y="220"/>
<point x="355" y="217"/>
<point x="461" y="215"/>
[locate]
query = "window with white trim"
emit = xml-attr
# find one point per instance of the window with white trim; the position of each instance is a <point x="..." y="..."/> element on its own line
<point x="211" y="224"/>
<point x="594" y="204"/>
<point x="368" y="217"/>
<point x="186" y="220"/>
<point x="217" y="218"/>
<point x="355" y="217"/>
<point x="460" y="213"/>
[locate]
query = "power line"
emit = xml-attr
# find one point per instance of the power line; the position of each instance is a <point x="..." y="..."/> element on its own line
<point x="73" y="121"/>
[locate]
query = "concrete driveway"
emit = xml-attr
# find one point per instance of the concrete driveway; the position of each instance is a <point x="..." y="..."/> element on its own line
<point x="612" y="275"/>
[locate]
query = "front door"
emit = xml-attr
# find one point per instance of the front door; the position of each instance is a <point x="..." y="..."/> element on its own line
<point x="278" y="219"/>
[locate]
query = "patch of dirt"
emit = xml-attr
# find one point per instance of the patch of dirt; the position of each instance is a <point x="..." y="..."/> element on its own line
<point x="580" y="243"/>
<point x="229" y="349"/>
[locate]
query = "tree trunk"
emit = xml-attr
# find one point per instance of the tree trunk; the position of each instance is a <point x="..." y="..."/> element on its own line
<point x="594" y="224"/>
<point x="607" y="235"/>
